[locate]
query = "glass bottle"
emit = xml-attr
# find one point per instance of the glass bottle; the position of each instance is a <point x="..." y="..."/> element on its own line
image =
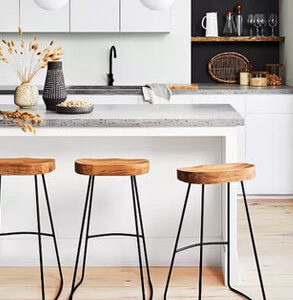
<point x="239" y="20"/>
<point x="230" y="27"/>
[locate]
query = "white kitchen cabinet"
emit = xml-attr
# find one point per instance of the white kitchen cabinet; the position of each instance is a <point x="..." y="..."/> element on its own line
<point x="9" y="20"/>
<point x="95" y="15"/>
<point x="269" y="143"/>
<point x="269" y="147"/>
<point x="135" y="17"/>
<point x="35" y="19"/>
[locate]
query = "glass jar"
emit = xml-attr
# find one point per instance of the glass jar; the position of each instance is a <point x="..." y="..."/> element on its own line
<point x="259" y="79"/>
<point x="244" y="75"/>
<point x="274" y="77"/>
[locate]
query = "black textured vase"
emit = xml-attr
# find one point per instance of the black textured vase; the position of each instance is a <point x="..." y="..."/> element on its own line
<point x="54" y="89"/>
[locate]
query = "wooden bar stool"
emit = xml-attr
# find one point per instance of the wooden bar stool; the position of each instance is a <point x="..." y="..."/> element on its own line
<point x="112" y="167"/>
<point x="207" y="175"/>
<point x="34" y="167"/>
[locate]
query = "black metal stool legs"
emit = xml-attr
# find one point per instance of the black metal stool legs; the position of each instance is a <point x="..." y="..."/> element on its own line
<point x="54" y="237"/>
<point x="143" y="240"/>
<point x="176" y="242"/>
<point x="138" y="217"/>
<point x="252" y="240"/>
<point x="86" y="215"/>
<point x="40" y="239"/>
<point x="201" y="243"/>
<point x="40" y="234"/>
<point x="227" y="243"/>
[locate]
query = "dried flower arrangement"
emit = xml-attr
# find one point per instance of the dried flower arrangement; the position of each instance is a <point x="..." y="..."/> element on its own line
<point x="27" y="58"/>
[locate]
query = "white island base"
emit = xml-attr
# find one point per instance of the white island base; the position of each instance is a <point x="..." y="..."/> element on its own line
<point x="162" y="195"/>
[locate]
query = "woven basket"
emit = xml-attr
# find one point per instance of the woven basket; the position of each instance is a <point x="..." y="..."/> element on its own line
<point x="225" y="67"/>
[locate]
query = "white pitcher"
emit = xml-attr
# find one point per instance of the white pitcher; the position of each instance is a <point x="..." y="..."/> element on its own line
<point x="211" y="26"/>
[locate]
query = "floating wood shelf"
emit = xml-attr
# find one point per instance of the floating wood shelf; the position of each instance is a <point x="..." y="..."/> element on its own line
<point x="238" y="39"/>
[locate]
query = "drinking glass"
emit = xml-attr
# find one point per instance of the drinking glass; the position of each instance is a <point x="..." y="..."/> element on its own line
<point x="273" y="22"/>
<point x="250" y="22"/>
<point x="257" y="22"/>
<point x="263" y="23"/>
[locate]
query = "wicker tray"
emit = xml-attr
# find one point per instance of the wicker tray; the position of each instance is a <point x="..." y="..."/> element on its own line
<point x="225" y="67"/>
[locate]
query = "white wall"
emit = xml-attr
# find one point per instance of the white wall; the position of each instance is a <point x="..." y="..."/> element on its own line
<point x="142" y="58"/>
<point x="286" y="10"/>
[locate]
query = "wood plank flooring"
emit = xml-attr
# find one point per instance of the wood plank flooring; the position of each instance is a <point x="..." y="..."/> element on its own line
<point x="273" y="223"/>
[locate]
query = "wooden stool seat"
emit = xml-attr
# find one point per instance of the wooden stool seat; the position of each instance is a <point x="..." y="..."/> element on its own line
<point x="112" y="167"/>
<point x="26" y="166"/>
<point x="217" y="174"/>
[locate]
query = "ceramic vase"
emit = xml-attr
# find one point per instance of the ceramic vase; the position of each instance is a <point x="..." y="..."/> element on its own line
<point x="55" y="89"/>
<point x="26" y="95"/>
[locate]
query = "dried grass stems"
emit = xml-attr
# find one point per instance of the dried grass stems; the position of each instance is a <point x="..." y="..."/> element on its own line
<point x="28" y="58"/>
<point x="23" y="119"/>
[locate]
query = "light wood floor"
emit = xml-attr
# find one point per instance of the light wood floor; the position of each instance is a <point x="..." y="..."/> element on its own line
<point x="273" y="223"/>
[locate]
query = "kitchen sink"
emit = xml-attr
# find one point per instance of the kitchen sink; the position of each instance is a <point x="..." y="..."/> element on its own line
<point x="103" y="89"/>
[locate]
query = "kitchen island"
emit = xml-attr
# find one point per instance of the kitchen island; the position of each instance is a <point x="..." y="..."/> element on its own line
<point x="170" y="136"/>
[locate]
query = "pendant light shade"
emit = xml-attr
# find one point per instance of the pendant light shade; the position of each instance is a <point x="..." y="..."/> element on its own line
<point x="51" y="4"/>
<point x="157" y="4"/>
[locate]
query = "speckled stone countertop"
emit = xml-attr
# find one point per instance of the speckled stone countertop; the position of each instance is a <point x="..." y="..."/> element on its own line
<point x="204" y="89"/>
<point x="235" y="89"/>
<point x="161" y="115"/>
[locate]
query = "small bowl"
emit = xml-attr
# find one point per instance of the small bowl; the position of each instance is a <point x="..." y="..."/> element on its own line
<point x="74" y="110"/>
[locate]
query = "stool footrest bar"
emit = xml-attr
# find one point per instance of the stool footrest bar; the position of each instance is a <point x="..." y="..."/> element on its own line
<point x="25" y="233"/>
<point x="198" y="244"/>
<point x="113" y="234"/>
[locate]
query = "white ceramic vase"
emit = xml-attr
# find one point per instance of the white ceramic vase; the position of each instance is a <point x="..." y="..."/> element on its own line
<point x="26" y="95"/>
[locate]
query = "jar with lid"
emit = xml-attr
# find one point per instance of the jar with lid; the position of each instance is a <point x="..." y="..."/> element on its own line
<point x="259" y="79"/>
<point x="274" y="74"/>
<point x="244" y="75"/>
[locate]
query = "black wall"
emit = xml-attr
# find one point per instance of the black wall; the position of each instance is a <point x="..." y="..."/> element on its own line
<point x="258" y="53"/>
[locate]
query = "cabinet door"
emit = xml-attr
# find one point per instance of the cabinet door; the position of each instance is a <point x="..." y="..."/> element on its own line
<point x="269" y="146"/>
<point x="95" y="15"/>
<point x="9" y="20"/>
<point x="35" y="19"/>
<point x="135" y="17"/>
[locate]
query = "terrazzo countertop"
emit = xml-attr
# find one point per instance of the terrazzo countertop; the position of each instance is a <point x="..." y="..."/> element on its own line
<point x="161" y="115"/>
<point x="204" y="88"/>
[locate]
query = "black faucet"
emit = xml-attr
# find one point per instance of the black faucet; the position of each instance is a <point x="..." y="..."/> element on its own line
<point x="113" y="53"/>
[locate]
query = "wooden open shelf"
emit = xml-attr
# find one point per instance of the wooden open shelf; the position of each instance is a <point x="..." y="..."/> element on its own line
<point x="238" y="39"/>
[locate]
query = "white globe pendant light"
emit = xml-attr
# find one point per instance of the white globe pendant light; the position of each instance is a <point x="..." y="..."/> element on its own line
<point x="51" y="4"/>
<point x="157" y="4"/>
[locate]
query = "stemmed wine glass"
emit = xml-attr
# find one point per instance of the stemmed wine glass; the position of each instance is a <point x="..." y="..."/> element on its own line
<point x="257" y="18"/>
<point x="262" y="22"/>
<point x="250" y="22"/>
<point x="273" y="22"/>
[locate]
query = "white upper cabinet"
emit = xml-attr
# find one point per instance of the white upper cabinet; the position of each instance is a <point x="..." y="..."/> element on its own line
<point x="9" y="20"/>
<point x="95" y="15"/>
<point x="35" y="19"/>
<point x="135" y="17"/>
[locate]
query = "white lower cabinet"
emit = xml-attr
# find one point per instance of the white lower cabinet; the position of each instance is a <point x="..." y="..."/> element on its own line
<point x="269" y="144"/>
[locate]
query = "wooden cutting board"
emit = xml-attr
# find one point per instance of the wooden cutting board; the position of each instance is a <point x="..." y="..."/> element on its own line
<point x="193" y="86"/>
